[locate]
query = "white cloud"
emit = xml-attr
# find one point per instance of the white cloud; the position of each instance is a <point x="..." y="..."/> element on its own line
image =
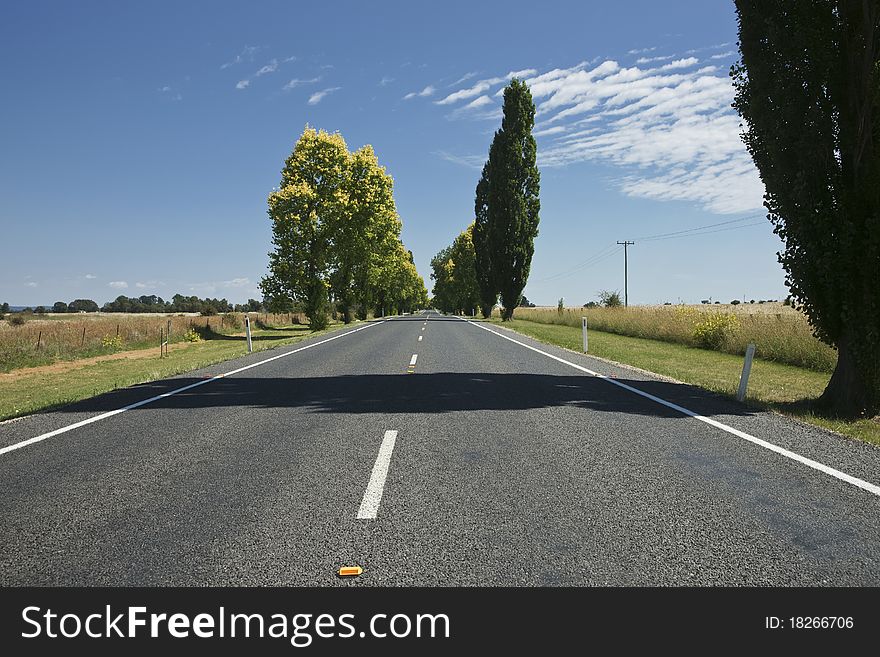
<point x="292" y="58"/>
<point x="91" y="276"/>
<point x="236" y="282"/>
<point x="427" y="91"/>
<point x="664" y="126"/>
<point x="649" y="60"/>
<point x="318" y="96"/>
<point x="640" y="51"/>
<point x="118" y="285"/>
<point x="165" y="89"/>
<point x="385" y="81"/>
<point x="293" y="84"/>
<point x="271" y="67"/>
<point x="148" y="284"/>
<point x="483" y="86"/>
<point x="549" y="131"/>
<point x="686" y="62"/>
<point x="31" y="284"/>
<point x="243" y="84"/>
<point x="723" y="55"/>
<point x="464" y="78"/>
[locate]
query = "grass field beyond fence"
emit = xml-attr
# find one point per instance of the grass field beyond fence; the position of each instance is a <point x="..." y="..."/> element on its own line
<point x="780" y="333"/>
<point x="47" y="339"/>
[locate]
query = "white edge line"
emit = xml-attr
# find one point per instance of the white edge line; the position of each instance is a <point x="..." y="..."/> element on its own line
<point x="821" y="467"/>
<point x="373" y="495"/>
<point x="143" y="402"/>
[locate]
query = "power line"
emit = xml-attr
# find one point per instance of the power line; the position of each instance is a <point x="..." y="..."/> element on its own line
<point x="609" y="250"/>
<point x="698" y="228"/>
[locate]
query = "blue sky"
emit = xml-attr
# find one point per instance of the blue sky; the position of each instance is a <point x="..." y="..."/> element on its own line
<point x="140" y="140"/>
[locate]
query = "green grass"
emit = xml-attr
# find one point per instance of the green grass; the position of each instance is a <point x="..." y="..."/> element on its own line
<point x="782" y="387"/>
<point x="27" y="391"/>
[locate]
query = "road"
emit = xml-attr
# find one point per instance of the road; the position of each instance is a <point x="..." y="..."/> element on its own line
<point x="509" y="466"/>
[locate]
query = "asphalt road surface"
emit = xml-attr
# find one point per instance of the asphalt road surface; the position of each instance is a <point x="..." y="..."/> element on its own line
<point x="430" y="451"/>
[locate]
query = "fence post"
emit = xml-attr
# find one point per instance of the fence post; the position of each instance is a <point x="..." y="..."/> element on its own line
<point x="247" y="329"/>
<point x="584" y="329"/>
<point x="39" y="339"/>
<point x="744" y="378"/>
<point x="160" y="342"/>
<point x="167" y="337"/>
<point x="83" y="340"/>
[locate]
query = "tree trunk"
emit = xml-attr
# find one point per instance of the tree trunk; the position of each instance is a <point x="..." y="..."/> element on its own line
<point x="506" y="314"/>
<point x="847" y="394"/>
<point x="486" y="310"/>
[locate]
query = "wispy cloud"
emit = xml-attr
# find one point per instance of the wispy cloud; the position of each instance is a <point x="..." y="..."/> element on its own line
<point x="296" y="82"/>
<point x="640" y="51"/>
<point x="427" y="91"/>
<point x="470" y="161"/>
<point x="546" y="132"/>
<point x="482" y="86"/>
<point x="143" y="285"/>
<point x="271" y="67"/>
<point x="242" y="84"/>
<point x="118" y="285"/>
<point x="32" y="284"/>
<point x="464" y="78"/>
<point x="246" y="55"/>
<point x="723" y="55"/>
<point x="212" y="287"/>
<point x="665" y="127"/>
<point x="651" y="60"/>
<point x="318" y="96"/>
<point x="90" y="276"/>
<point x="385" y="81"/>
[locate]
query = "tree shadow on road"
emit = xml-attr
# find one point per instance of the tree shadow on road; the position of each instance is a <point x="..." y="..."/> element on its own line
<point x="443" y="392"/>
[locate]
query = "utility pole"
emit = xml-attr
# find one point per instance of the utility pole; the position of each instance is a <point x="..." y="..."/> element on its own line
<point x="625" y="273"/>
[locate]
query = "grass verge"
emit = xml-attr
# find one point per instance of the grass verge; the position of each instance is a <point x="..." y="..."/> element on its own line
<point x="26" y="391"/>
<point x="784" y="388"/>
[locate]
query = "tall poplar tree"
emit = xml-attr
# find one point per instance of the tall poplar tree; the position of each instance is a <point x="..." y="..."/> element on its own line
<point x="808" y="87"/>
<point x="512" y="192"/>
<point x="488" y="289"/>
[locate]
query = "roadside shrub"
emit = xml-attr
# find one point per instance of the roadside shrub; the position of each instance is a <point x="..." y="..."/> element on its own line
<point x="192" y="336"/>
<point x="560" y="307"/>
<point x="17" y="320"/>
<point x="712" y="331"/>
<point x="112" y="342"/>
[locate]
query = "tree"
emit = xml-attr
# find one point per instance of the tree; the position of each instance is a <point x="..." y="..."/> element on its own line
<point x="364" y="233"/>
<point x="455" y="279"/>
<point x="303" y="211"/>
<point x="82" y="306"/>
<point x="808" y="89"/>
<point x="59" y="307"/>
<point x="4" y="308"/>
<point x="610" y="299"/>
<point x="488" y="287"/>
<point x="512" y="193"/>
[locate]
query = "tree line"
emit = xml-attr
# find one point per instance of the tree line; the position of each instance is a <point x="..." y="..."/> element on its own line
<point x="493" y="256"/>
<point x="148" y="304"/>
<point x="336" y="234"/>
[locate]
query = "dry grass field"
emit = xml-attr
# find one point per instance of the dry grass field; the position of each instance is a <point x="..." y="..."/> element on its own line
<point x="47" y="339"/>
<point x="780" y="333"/>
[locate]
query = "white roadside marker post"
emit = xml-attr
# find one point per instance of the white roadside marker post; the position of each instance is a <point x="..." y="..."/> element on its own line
<point x="744" y="378"/>
<point x="584" y="328"/>
<point x="247" y="330"/>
